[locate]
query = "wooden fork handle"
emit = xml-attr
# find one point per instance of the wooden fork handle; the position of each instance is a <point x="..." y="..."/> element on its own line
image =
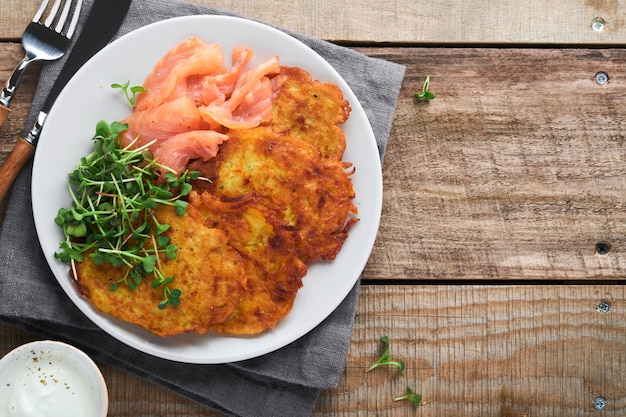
<point x="4" y="113"/>
<point x="22" y="152"/>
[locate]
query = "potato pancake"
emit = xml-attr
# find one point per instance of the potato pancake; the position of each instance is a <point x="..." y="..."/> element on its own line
<point x="274" y="272"/>
<point x="208" y="271"/>
<point x="282" y="195"/>
<point x="311" y="193"/>
<point x="310" y="111"/>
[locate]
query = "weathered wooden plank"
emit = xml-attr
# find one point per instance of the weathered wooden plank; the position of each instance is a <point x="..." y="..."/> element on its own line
<point x="457" y="21"/>
<point x="515" y="171"/>
<point x="487" y="351"/>
<point x="469" y="350"/>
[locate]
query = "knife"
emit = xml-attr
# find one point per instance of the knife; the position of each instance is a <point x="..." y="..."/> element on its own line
<point x="105" y="18"/>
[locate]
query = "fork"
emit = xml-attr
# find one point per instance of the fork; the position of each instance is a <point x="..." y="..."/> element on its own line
<point x="42" y="42"/>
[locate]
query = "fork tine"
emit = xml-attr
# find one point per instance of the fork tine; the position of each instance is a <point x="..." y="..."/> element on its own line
<point x="41" y="44"/>
<point x="39" y="13"/>
<point x="66" y="10"/>
<point x="75" y="16"/>
<point x="53" y="12"/>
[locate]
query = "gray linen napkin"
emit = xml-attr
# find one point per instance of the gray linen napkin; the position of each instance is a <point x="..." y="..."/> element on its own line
<point x="286" y="382"/>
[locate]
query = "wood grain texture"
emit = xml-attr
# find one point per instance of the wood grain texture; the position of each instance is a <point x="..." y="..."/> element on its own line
<point x="486" y="351"/>
<point x="445" y="21"/>
<point x="515" y="171"/>
<point x="538" y="351"/>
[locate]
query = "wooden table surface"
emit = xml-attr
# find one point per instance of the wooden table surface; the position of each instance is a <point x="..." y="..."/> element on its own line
<point x="499" y="268"/>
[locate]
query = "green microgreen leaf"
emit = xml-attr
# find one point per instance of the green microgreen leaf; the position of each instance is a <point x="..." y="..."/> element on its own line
<point x="180" y="206"/>
<point x="103" y="130"/>
<point x="185" y="189"/>
<point x="97" y="258"/>
<point x="385" y="358"/>
<point x="174" y="297"/>
<point x="77" y="230"/>
<point x="170" y="251"/>
<point x="163" y="241"/>
<point x="136" y="277"/>
<point x="148" y="263"/>
<point x="425" y="94"/>
<point x="161" y="228"/>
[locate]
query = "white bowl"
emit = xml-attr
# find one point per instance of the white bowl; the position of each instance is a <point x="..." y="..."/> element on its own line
<point x="53" y="377"/>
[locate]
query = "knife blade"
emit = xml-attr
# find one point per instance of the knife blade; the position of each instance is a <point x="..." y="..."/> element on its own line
<point x="104" y="20"/>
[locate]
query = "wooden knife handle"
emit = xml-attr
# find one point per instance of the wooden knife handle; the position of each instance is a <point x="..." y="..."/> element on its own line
<point x="22" y="152"/>
<point x="4" y="113"/>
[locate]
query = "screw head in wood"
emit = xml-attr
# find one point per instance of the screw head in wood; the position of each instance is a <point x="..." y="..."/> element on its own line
<point x="599" y="403"/>
<point x="602" y="248"/>
<point x="601" y="78"/>
<point x="604" y="307"/>
<point x="598" y="24"/>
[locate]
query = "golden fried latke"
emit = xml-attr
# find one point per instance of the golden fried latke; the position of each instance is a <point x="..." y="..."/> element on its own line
<point x="274" y="273"/>
<point x="208" y="271"/>
<point x="311" y="193"/>
<point x="310" y="111"/>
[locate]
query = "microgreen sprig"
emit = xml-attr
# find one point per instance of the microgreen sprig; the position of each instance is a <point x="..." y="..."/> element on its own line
<point x="410" y="395"/>
<point x="130" y="92"/>
<point x="114" y="193"/>
<point x="385" y="358"/>
<point x="425" y="94"/>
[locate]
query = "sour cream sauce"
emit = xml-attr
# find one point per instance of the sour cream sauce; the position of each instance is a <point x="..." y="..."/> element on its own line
<point x="47" y="383"/>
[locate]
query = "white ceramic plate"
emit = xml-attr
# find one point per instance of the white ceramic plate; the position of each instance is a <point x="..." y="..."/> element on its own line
<point x="88" y="98"/>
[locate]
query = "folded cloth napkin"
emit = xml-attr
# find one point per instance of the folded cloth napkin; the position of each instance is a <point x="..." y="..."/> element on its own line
<point x="286" y="382"/>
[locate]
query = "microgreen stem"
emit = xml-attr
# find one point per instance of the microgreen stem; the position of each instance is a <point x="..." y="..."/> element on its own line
<point x="425" y="94"/>
<point x="410" y="395"/>
<point x="129" y="92"/>
<point x="385" y="358"/>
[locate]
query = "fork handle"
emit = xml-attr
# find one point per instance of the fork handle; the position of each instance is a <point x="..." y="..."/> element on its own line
<point x="7" y="93"/>
<point x="22" y="152"/>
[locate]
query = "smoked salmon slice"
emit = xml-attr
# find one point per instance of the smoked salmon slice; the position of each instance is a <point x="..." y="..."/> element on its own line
<point x="209" y="88"/>
<point x="176" y="152"/>
<point x="193" y="98"/>
<point x="168" y="80"/>
<point x="162" y="122"/>
<point x="250" y="104"/>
